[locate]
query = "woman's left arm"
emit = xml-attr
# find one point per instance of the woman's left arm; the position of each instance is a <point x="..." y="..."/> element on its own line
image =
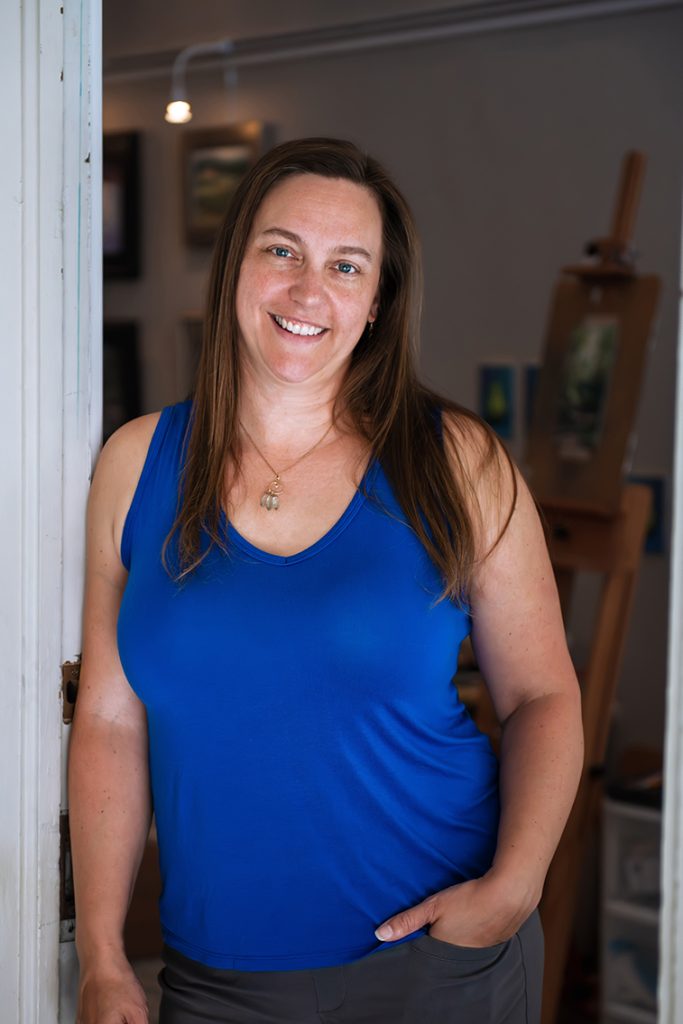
<point x="519" y="640"/>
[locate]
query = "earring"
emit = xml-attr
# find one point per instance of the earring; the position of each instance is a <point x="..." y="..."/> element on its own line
<point x="371" y="327"/>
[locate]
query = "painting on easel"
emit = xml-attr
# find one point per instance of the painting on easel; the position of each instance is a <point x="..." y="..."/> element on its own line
<point x="594" y="359"/>
<point x="584" y="390"/>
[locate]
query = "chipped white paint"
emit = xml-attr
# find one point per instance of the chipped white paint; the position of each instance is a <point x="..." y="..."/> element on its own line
<point x="50" y="296"/>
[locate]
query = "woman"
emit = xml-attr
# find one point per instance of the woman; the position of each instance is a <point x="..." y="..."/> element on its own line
<point x="293" y="559"/>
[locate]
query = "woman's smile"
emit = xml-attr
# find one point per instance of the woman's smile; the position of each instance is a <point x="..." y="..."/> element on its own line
<point x="297" y="327"/>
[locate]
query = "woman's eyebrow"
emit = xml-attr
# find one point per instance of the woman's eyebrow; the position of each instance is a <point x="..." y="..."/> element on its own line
<point x="345" y="250"/>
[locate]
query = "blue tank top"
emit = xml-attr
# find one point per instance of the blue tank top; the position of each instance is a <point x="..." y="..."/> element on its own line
<point x="313" y="770"/>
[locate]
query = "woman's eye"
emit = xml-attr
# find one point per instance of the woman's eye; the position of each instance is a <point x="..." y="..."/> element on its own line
<point x="347" y="268"/>
<point x="280" y="250"/>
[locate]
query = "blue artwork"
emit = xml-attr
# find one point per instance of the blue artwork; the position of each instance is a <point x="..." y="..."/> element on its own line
<point x="654" y="538"/>
<point x="496" y="399"/>
<point x="531" y="372"/>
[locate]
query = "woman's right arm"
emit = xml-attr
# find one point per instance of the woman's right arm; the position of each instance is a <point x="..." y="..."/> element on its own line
<point x="109" y="790"/>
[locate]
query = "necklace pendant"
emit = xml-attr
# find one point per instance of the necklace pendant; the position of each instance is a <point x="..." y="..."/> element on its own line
<point x="270" y="499"/>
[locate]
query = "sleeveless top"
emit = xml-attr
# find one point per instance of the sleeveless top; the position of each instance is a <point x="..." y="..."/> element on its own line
<point x="313" y="770"/>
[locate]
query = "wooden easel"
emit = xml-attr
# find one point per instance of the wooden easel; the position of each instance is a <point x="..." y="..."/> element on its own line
<point x="580" y="541"/>
<point x="604" y="288"/>
<point x="595" y="524"/>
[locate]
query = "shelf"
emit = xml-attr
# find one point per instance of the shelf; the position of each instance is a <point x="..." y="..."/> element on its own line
<point x="630" y="912"/>
<point x="633" y="912"/>
<point x="633" y="812"/>
<point x="630" y="1014"/>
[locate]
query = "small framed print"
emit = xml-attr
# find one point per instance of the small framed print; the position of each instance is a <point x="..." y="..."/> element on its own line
<point x="188" y="351"/>
<point x="497" y="398"/>
<point x="214" y="161"/>
<point x="587" y="376"/>
<point x="654" y="538"/>
<point x="121" y="241"/>
<point x="121" y="375"/>
<point x="530" y="373"/>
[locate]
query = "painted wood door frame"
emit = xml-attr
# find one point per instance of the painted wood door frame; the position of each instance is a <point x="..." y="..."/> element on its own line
<point x="50" y="370"/>
<point x="671" y="920"/>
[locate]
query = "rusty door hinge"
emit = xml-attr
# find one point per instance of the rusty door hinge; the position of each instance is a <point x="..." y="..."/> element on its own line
<point x="71" y="671"/>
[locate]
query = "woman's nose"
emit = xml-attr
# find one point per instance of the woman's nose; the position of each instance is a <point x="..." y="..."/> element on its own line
<point x="308" y="285"/>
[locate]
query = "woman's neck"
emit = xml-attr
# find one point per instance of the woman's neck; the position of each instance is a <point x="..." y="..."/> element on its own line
<point x="286" y="416"/>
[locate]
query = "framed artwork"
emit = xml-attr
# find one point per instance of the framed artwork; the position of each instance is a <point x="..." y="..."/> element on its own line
<point x="187" y="353"/>
<point x="214" y="161"/>
<point x="588" y="388"/>
<point x="587" y="374"/>
<point x="530" y="377"/>
<point x="121" y="376"/>
<point x="121" y="204"/>
<point x="654" y="538"/>
<point x="497" y="398"/>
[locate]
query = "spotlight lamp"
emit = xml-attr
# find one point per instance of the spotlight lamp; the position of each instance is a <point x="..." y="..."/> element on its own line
<point x="178" y="112"/>
<point x="178" y="109"/>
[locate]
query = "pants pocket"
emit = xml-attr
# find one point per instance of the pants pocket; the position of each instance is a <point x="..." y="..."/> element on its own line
<point x="499" y="984"/>
<point x="470" y="957"/>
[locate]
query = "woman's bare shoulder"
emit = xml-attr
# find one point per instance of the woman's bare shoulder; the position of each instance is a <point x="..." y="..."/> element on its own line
<point x="124" y="453"/>
<point x="117" y="473"/>
<point x="487" y="474"/>
<point x="477" y="454"/>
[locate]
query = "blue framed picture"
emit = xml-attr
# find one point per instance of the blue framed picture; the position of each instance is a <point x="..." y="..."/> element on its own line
<point x="654" y="538"/>
<point x="530" y="376"/>
<point x="497" y="398"/>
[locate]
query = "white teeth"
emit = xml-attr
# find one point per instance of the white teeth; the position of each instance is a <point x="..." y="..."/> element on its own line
<point x="297" y="328"/>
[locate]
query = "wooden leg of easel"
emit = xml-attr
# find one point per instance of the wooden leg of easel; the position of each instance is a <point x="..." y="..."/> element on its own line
<point x="613" y="548"/>
<point x="558" y="906"/>
<point x="557" y="914"/>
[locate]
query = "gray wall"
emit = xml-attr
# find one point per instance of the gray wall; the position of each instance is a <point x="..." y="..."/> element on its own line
<point x="508" y="146"/>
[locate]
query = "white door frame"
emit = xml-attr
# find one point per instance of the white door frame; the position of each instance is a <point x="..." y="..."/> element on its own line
<point x="50" y="369"/>
<point x="671" y="921"/>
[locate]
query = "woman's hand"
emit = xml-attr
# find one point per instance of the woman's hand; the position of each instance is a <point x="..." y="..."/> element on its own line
<point x="111" y="994"/>
<point x="478" y="913"/>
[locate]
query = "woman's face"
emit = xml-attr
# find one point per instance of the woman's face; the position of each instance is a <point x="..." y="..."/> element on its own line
<point x="309" y="279"/>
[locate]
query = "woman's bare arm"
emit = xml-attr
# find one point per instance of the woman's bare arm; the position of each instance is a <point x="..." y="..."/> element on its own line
<point x="109" y="793"/>
<point x="519" y="639"/>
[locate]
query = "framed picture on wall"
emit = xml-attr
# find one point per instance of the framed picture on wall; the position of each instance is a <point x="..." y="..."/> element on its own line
<point x="214" y="161"/>
<point x="655" y="538"/>
<point x="121" y="376"/>
<point x="497" y="398"/>
<point x="121" y="204"/>
<point x="187" y="353"/>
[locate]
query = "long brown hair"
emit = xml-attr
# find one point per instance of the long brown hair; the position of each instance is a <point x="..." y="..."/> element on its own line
<point x="380" y="395"/>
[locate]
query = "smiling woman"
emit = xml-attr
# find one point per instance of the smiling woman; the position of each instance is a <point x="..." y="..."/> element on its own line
<point x="281" y="571"/>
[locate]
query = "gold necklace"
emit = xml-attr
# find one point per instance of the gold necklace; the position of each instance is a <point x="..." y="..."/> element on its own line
<point x="270" y="499"/>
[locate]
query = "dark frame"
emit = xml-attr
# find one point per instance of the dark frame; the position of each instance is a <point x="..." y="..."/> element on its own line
<point x="214" y="160"/>
<point x="121" y="391"/>
<point x="121" y="204"/>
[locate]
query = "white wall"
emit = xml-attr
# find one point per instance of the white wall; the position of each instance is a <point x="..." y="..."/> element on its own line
<point x="508" y="146"/>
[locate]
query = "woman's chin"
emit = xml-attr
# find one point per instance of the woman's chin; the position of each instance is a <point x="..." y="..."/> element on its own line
<point x="300" y="371"/>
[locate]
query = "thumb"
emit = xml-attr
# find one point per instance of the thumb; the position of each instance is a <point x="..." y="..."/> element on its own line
<point x="408" y="921"/>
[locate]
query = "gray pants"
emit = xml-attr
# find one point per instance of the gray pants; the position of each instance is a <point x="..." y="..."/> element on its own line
<point x="423" y="981"/>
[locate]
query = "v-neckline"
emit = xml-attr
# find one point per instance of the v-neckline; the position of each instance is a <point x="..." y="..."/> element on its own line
<point x="349" y="513"/>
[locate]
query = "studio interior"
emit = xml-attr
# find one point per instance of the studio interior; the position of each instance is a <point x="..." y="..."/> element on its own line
<point x="540" y="146"/>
